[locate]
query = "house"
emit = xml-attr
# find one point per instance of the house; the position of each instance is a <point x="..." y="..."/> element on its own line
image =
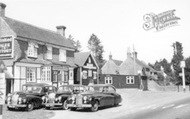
<point x="34" y="54"/>
<point x="126" y="74"/>
<point x="86" y="71"/>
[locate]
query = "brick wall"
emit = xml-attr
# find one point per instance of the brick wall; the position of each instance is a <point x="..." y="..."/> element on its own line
<point x="119" y="81"/>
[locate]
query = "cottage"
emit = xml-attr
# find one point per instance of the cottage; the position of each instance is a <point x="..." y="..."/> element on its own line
<point x="126" y="74"/>
<point x="86" y="72"/>
<point x="34" y="54"/>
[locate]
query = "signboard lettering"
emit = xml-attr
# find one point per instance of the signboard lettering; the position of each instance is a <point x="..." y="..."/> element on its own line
<point x="6" y="46"/>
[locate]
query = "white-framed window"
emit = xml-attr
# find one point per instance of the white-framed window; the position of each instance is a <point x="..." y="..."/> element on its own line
<point x="46" y="73"/>
<point x="62" y="55"/>
<point x="49" y="52"/>
<point x="130" y="79"/>
<point x="108" y="80"/>
<point x="31" y="74"/>
<point x="32" y="50"/>
<point x="84" y="74"/>
<point x="94" y="75"/>
<point x="89" y="73"/>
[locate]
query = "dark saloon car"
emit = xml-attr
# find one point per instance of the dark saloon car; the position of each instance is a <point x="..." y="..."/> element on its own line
<point x="58" y="99"/>
<point x="98" y="95"/>
<point x="30" y="97"/>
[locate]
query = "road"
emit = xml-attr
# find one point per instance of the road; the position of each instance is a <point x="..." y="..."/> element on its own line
<point x="175" y="110"/>
<point x="137" y="105"/>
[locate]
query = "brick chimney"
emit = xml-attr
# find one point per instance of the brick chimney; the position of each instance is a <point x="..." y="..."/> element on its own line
<point x="2" y="9"/>
<point x="61" y="30"/>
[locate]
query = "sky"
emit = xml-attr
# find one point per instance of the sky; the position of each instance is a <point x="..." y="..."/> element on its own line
<point x="117" y="23"/>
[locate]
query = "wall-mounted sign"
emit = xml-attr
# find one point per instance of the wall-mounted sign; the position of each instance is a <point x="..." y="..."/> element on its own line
<point x="6" y="46"/>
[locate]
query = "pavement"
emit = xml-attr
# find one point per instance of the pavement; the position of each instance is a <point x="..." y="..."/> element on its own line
<point x="134" y="101"/>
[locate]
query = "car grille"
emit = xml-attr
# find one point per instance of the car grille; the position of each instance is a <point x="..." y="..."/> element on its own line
<point x="79" y="99"/>
<point x="15" y="99"/>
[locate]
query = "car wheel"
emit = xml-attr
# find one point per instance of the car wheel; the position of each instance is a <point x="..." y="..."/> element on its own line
<point x="30" y="106"/>
<point x="94" y="107"/>
<point x="48" y="108"/>
<point x="64" y="105"/>
<point x="73" y="108"/>
<point x="10" y="109"/>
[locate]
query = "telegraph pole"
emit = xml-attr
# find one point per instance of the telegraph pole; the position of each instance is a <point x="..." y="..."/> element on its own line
<point x="183" y="73"/>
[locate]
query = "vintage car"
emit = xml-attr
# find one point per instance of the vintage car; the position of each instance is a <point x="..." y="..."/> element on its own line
<point x="58" y="99"/>
<point x="30" y="97"/>
<point x="98" y="95"/>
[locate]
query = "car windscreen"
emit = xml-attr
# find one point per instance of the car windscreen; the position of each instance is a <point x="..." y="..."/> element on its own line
<point x="64" y="88"/>
<point x="32" y="89"/>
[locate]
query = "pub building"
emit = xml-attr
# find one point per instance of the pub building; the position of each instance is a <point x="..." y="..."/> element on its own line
<point x="86" y="71"/>
<point x="34" y="54"/>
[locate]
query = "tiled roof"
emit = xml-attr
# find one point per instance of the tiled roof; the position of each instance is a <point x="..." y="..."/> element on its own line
<point x="109" y="67"/>
<point x="81" y="57"/>
<point x="25" y="30"/>
<point x="117" y="62"/>
<point x="35" y="61"/>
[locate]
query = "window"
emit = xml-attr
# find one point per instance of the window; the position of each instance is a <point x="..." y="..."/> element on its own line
<point x="94" y="75"/>
<point x="46" y="74"/>
<point x="89" y="73"/>
<point x="108" y="80"/>
<point x="49" y="52"/>
<point x="62" y="55"/>
<point x="65" y="76"/>
<point x="130" y="80"/>
<point x="32" y="50"/>
<point x="31" y="74"/>
<point x="84" y="75"/>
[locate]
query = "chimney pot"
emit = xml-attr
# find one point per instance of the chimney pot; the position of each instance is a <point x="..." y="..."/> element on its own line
<point x="2" y="9"/>
<point x="61" y="30"/>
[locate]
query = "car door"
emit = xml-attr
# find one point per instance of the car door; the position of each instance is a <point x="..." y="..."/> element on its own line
<point x="109" y="97"/>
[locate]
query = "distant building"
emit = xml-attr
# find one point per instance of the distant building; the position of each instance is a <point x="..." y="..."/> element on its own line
<point x="34" y="54"/>
<point x="126" y="74"/>
<point x="86" y="71"/>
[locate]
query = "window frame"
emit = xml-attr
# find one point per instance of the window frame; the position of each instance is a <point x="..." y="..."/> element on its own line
<point x="130" y="79"/>
<point x="32" y="50"/>
<point x="31" y="74"/>
<point x="108" y="80"/>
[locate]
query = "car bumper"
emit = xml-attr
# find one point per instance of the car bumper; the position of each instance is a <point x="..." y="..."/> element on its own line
<point x="80" y="106"/>
<point x="52" y="104"/>
<point x="16" y="105"/>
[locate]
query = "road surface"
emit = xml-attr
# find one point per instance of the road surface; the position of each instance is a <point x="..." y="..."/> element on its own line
<point x="175" y="110"/>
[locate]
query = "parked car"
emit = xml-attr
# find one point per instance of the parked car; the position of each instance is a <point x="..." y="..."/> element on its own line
<point x="30" y="97"/>
<point x="58" y="99"/>
<point x="98" y="95"/>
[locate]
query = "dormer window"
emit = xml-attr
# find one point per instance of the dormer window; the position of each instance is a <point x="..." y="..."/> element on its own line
<point x="62" y="55"/>
<point x="32" y="50"/>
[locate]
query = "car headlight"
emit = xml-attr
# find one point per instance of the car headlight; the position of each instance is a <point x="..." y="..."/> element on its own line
<point x="24" y="100"/>
<point x="8" y="95"/>
<point x="43" y="98"/>
<point x="85" y="98"/>
<point x="73" y="97"/>
<point x="59" y="98"/>
<point x="19" y="99"/>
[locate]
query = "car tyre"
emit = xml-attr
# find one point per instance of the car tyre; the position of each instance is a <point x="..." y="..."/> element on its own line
<point x="64" y="105"/>
<point x="73" y="109"/>
<point x="30" y="106"/>
<point x="10" y="109"/>
<point x="94" y="107"/>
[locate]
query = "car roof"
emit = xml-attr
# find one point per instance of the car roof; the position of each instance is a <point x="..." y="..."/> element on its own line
<point x="36" y="84"/>
<point x="71" y="85"/>
<point x="103" y="85"/>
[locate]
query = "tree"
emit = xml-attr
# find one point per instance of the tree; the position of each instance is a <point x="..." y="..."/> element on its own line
<point x="96" y="48"/>
<point x="77" y="43"/>
<point x="187" y="70"/>
<point x="177" y="58"/>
